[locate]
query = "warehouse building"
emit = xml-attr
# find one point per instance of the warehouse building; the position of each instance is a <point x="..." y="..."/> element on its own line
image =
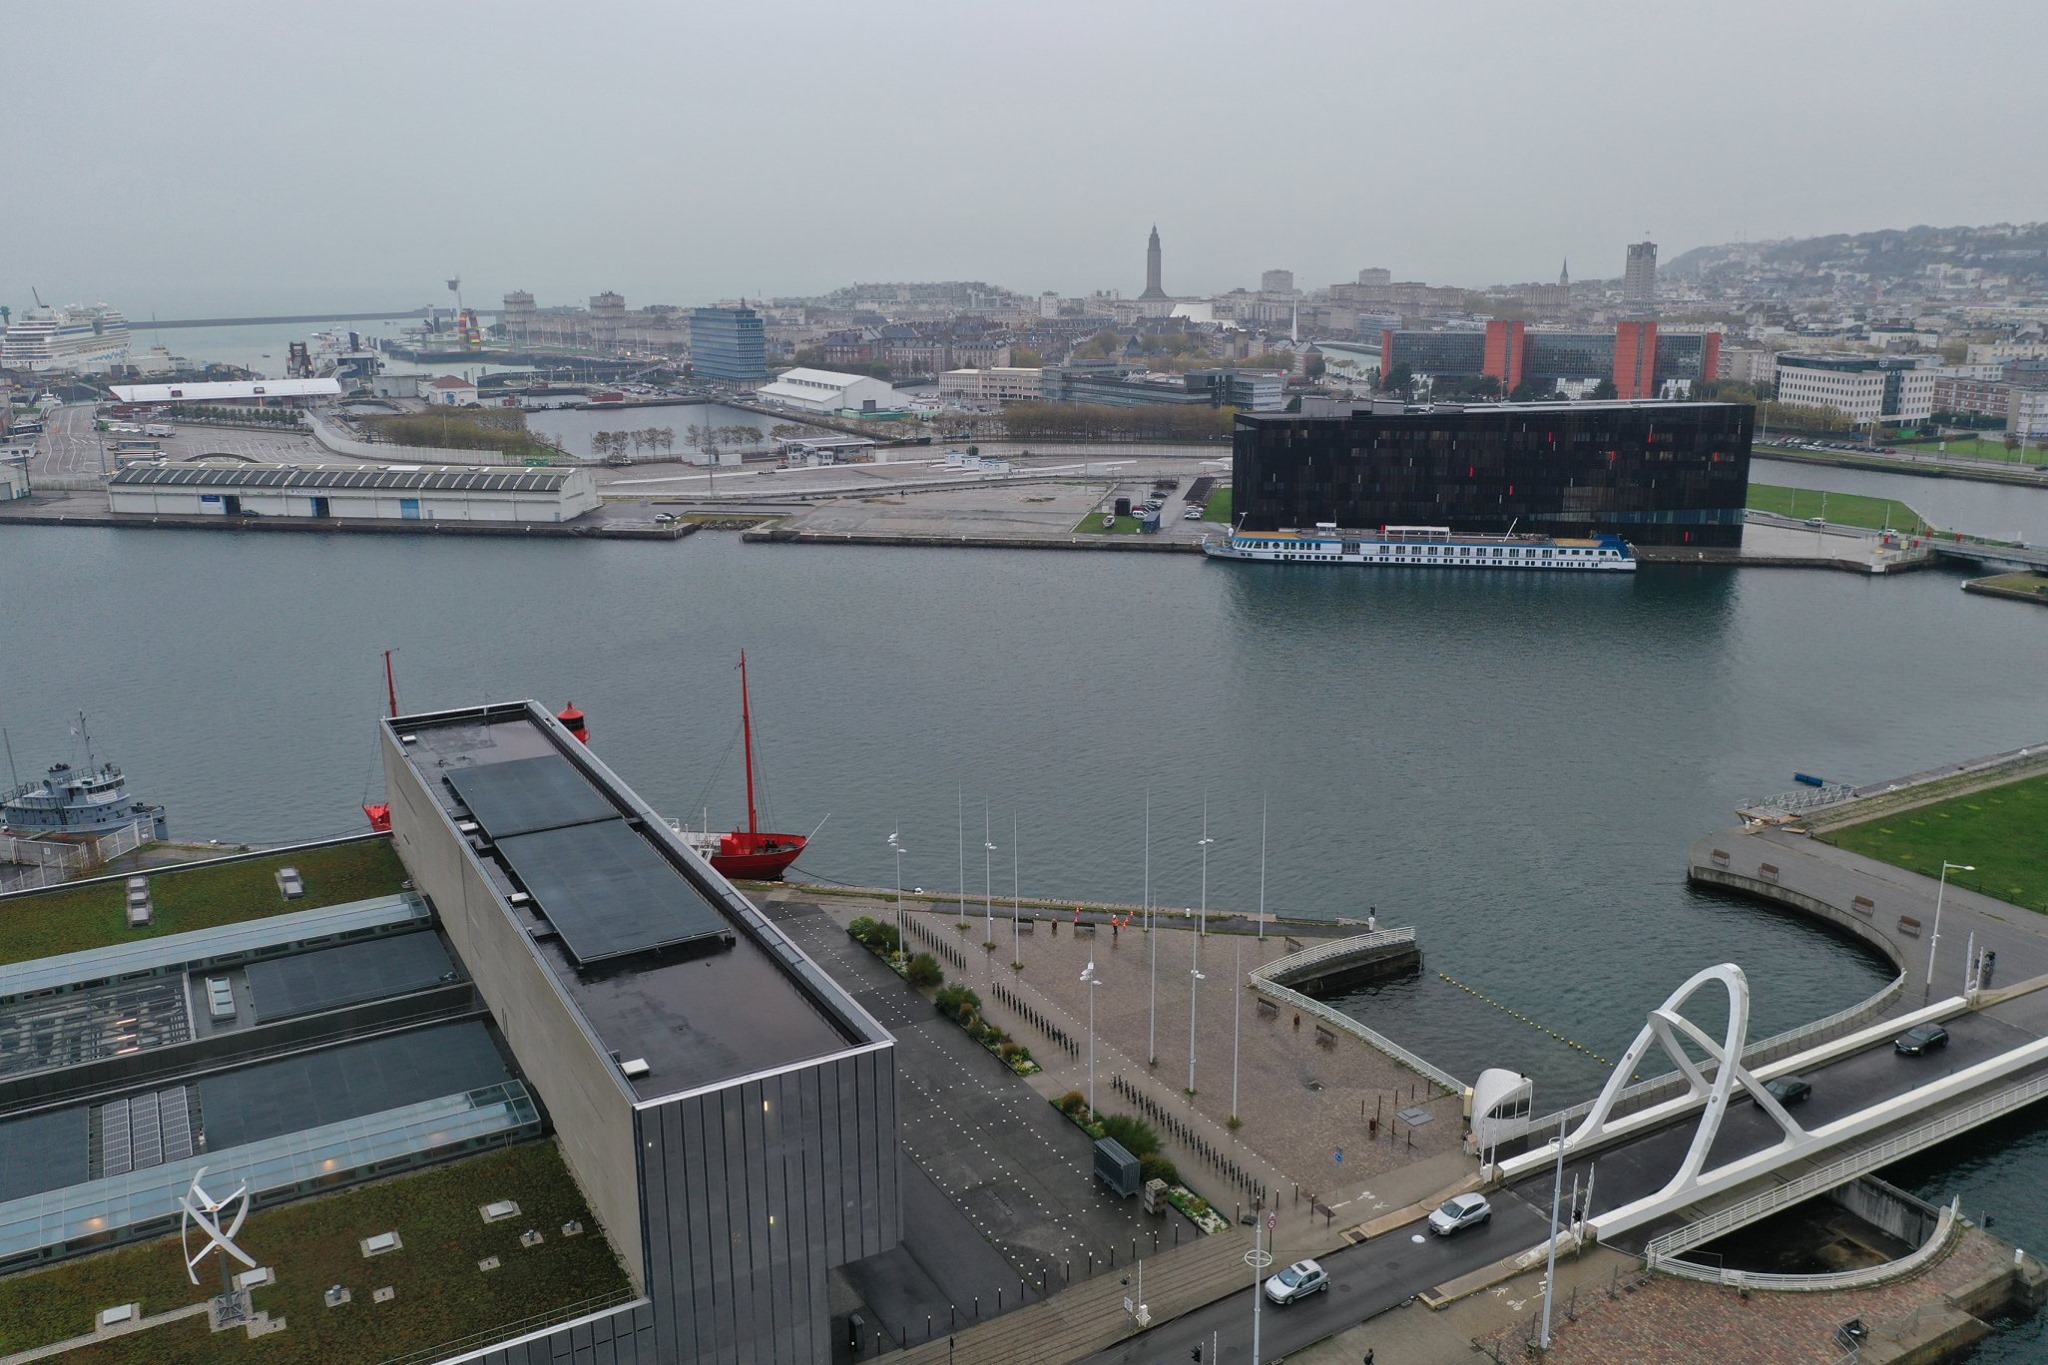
<point x="1653" y="473"/>
<point x="726" y="1107"/>
<point x="354" y="493"/>
<point x="830" y="393"/>
<point x="232" y="392"/>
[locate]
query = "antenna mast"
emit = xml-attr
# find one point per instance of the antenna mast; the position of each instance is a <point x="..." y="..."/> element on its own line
<point x="747" y="730"/>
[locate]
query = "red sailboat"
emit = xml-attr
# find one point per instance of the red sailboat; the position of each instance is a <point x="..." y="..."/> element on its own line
<point x="749" y="854"/>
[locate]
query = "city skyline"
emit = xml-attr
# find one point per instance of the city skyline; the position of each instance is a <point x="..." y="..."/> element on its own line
<point x="365" y="170"/>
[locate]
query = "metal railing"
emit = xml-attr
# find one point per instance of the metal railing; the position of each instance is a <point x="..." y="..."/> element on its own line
<point x="475" y="1342"/>
<point x="1944" y="1231"/>
<point x="1757" y="1053"/>
<point x="1843" y="1171"/>
<point x="1260" y="982"/>
<point x="1343" y="947"/>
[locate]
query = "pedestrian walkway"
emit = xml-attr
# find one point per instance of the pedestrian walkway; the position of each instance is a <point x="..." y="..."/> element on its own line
<point x="1887" y="907"/>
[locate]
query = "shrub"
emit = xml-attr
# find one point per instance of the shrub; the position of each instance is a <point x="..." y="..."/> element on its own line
<point x="1137" y="1136"/>
<point x="863" y="929"/>
<point x="1155" y="1167"/>
<point x="924" y="971"/>
<point x="1073" y="1102"/>
<point x="958" y="1003"/>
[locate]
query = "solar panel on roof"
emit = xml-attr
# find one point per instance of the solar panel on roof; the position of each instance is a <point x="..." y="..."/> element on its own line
<point x="528" y="794"/>
<point x="607" y="892"/>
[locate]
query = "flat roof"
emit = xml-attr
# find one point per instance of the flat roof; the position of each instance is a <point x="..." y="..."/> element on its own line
<point x="699" y="1012"/>
<point x="202" y="945"/>
<point x="1364" y="408"/>
<point x="438" y="478"/>
<point x="217" y="390"/>
<point x="346" y="974"/>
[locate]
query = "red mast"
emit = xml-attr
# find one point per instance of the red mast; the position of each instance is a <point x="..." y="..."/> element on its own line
<point x="747" y="730"/>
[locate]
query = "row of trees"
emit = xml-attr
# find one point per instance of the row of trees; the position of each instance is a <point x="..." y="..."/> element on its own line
<point x="611" y="445"/>
<point x="1100" y="422"/>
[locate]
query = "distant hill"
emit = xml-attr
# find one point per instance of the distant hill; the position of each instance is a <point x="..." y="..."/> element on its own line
<point x="1894" y="254"/>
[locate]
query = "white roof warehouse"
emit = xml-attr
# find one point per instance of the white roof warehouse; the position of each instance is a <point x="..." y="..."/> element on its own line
<point x="418" y="493"/>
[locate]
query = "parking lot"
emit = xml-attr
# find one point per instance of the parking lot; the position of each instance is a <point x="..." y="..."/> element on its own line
<point x="70" y="448"/>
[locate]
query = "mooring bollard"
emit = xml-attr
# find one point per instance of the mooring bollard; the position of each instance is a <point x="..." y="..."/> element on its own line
<point x="952" y="1316"/>
<point x="977" y="1307"/>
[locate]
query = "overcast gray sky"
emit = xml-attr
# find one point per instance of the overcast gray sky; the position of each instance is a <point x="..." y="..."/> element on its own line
<point x="216" y="158"/>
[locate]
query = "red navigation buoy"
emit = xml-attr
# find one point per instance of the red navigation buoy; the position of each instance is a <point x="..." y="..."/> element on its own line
<point x="572" y="721"/>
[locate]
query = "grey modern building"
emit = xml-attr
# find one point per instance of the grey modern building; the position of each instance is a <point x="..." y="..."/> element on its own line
<point x="728" y="1110"/>
<point x="1639" y="280"/>
<point x="728" y="343"/>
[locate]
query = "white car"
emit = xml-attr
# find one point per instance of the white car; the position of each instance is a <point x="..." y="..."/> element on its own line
<point x="1462" y="1211"/>
<point x="1298" y="1281"/>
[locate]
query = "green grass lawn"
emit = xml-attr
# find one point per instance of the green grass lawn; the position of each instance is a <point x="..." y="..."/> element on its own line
<point x="1976" y="448"/>
<point x="313" y="1244"/>
<point x="74" y="919"/>
<point x="1092" y="525"/>
<point x="1848" y="509"/>
<point x="1997" y="830"/>
<point x="1218" y="508"/>
<point x="2017" y="582"/>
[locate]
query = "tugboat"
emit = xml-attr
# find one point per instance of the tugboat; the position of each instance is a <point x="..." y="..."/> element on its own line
<point x="749" y="854"/>
<point x="79" y="805"/>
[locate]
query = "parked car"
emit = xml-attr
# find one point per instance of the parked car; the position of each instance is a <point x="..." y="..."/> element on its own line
<point x="1298" y="1281"/>
<point x="1921" y="1039"/>
<point x="1789" y="1090"/>
<point x="1460" y="1212"/>
<point x="1192" y="514"/>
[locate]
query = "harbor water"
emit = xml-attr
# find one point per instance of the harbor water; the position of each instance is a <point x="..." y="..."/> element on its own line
<point x="1513" y="764"/>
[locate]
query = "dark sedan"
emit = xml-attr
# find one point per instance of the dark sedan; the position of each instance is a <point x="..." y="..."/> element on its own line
<point x="1921" y="1039"/>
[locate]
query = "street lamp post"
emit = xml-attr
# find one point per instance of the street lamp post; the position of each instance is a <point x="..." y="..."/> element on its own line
<point x="1236" y="1014"/>
<point x="896" y="847"/>
<point x="1195" y="978"/>
<point x="988" y="853"/>
<point x="1934" y="942"/>
<point x="1091" y="980"/>
<point x="1262" y="869"/>
<point x="1016" y="917"/>
<point x="1258" y="1258"/>
<point x="1152" y="1029"/>
<point x="1205" y="841"/>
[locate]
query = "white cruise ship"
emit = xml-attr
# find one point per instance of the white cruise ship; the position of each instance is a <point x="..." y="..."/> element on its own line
<point x="1427" y="547"/>
<point x="78" y="338"/>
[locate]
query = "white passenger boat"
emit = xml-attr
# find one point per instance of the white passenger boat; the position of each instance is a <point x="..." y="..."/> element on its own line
<point x="1428" y="547"/>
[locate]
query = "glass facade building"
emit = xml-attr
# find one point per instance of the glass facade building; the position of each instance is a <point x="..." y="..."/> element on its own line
<point x="728" y="343"/>
<point x="1653" y="473"/>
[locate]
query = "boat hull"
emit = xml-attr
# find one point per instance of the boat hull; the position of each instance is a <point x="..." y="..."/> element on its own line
<point x="756" y="857"/>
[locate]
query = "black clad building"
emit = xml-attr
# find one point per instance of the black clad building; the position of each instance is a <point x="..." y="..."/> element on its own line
<point x="1653" y="473"/>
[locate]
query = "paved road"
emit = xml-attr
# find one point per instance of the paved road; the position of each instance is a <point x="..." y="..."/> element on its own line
<point x="1365" y="1280"/>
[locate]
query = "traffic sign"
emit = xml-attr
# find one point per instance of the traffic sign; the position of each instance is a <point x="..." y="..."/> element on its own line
<point x="1272" y="1221"/>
